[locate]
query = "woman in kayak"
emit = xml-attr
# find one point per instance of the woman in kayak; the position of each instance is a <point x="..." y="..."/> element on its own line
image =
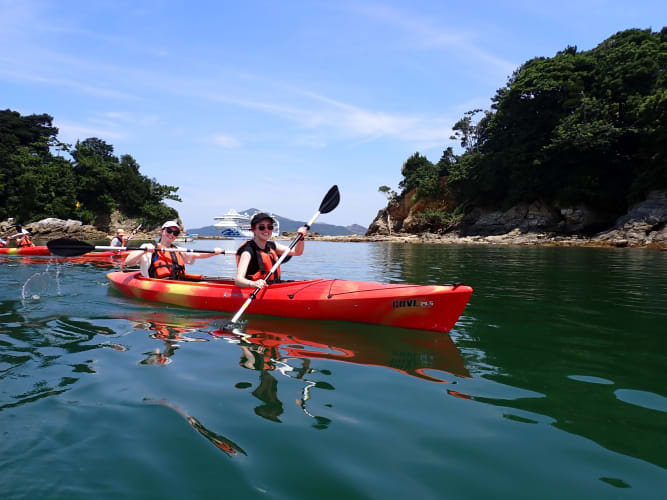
<point x="120" y="240"/>
<point x="23" y="240"/>
<point x="154" y="263"/>
<point x="256" y="257"/>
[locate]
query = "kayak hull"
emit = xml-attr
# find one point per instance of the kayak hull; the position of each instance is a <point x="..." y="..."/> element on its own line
<point x="424" y="307"/>
<point x="43" y="251"/>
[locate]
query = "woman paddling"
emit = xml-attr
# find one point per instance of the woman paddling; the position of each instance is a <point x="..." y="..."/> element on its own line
<point x="23" y="240"/>
<point x="155" y="263"/>
<point x="256" y="257"/>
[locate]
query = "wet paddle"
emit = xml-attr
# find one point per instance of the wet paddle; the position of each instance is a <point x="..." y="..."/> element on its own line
<point x="69" y="247"/>
<point x="329" y="202"/>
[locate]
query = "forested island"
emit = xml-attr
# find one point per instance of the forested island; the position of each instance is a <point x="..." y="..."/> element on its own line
<point x="571" y="143"/>
<point x="42" y="177"/>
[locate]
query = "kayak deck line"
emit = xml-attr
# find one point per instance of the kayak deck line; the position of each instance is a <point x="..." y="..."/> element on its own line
<point x="425" y="307"/>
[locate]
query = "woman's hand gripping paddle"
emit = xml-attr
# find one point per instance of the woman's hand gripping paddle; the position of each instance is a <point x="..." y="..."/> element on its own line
<point x="330" y="201"/>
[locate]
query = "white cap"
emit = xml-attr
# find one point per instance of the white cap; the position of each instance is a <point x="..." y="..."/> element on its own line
<point x="25" y="231"/>
<point x="170" y="223"/>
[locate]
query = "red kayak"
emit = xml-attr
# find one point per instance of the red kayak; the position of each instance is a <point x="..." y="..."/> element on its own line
<point x="423" y="307"/>
<point x="43" y="251"/>
<point x="26" y="251"/>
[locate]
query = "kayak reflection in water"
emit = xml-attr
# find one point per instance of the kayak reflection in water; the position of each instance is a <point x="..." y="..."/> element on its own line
<point x="221" y="442"/>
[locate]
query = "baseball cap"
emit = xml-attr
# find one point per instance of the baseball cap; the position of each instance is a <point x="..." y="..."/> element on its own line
<point x="170" y="223"/>
<point x="260" y="217"/>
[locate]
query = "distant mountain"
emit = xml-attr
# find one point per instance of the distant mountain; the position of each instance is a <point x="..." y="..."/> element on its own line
<point x="290" y="225"/>
<point x="357" y="229"/>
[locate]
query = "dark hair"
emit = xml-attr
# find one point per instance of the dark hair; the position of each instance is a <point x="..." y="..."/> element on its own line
<point x="260" y="217"/>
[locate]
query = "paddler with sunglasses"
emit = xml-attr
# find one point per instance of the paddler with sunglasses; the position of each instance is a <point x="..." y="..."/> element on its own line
<point x="154" y="263"/>
<point x="256" y="257"/>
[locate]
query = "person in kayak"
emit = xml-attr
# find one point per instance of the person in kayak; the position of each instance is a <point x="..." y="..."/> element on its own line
<point x="23" y="240"/>
<point x="120" y="240"/>
<point x="154" y="263"/>
<point x="256" y="257"/>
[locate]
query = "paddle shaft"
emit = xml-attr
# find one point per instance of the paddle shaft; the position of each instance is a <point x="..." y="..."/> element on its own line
<point x="181" y="250"/>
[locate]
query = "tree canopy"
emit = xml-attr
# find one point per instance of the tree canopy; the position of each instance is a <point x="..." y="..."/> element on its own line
<point x="38" y="181"/>
<point x="581" y="127"/>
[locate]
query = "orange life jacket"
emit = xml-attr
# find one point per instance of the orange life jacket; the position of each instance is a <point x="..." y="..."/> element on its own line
<point x="24" y="241"/>
<point x="261" y="260"/>
<point x="167" y="265"/>
<point x="122" y="239"/>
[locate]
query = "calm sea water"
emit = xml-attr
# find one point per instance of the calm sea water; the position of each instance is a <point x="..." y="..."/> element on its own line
<point x="553" y="384"/>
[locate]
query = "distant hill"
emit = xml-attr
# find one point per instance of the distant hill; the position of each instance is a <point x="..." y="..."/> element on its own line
<point x="290" y="225"/>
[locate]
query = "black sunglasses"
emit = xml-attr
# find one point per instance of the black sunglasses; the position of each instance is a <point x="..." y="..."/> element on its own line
<point x="175" y="232"/>
<point x="262" y="227"/>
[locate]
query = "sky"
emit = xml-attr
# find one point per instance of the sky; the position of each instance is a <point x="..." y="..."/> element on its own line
<point x="269" y="103"/>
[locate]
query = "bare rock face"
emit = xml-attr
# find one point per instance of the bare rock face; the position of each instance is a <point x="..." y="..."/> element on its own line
<point x="582" y="219"/>
<point x="51" y="228"/>
<point x="534" y="223"/>
<point x="644" y="224"/>
<point x="526" y="217"/>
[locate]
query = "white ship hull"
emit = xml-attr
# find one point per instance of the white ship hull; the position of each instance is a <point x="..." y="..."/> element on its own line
<point x="236" y="225"/>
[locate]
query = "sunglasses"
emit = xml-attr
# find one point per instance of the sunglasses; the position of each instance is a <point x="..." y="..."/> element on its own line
<point x="175" y="232"/>
<point x="262" y="227"/>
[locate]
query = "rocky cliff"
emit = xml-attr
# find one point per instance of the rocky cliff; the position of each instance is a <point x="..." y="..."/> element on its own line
<point x="645" y="224"/>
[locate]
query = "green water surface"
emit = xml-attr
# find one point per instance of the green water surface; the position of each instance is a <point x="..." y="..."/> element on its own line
<point x="553" y="384"/>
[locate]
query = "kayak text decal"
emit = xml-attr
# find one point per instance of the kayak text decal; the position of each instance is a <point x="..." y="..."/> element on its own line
<point x="411" y="303"/>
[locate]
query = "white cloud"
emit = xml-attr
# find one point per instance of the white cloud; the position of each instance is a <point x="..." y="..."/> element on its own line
<point x="226" y="141"/>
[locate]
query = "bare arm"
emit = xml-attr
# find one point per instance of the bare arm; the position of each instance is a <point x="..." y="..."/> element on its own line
<point x="134" y="257"/>
<point x="242" y="269"/>
<point x="298" y="248"/>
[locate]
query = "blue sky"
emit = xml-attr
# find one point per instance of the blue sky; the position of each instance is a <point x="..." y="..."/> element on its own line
<point x="268" y="103"/>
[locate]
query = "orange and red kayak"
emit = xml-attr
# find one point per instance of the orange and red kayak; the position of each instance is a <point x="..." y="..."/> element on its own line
<point x="423" y="307"/>
<point x="43" y="251"/>
<point x="38" y="251"/>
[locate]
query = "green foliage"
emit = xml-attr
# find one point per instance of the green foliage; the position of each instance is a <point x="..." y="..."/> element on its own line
<point x="434" y="219"/>
<point x="418" y="172"/>
<point x="580" y="127"/>
<point x="35" y="183"/>
<point x="388" y="192"/>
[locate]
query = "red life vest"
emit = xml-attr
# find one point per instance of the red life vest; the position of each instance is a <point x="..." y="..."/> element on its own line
<point x="261" y="260"/>
<point x="167" y="265"/>
<point x="24" y="242"/>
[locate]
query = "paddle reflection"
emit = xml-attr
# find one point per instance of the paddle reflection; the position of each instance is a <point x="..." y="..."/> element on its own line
<point x="225" y="445"/>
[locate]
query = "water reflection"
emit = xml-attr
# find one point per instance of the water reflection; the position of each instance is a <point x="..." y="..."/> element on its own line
<point x="171" y="329"/>
<point x="224" y="444"/>
<point x="292" y="348"/>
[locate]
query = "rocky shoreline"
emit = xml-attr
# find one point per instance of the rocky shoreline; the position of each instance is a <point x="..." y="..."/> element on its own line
<point x="644" y="226"/>
<point x="514" y="237"/>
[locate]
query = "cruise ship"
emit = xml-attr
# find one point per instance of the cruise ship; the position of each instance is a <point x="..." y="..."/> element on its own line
<point x="236" y="225"/>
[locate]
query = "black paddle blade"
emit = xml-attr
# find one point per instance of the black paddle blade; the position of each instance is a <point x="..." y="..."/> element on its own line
<point x="330" y="201"/>
<point x="68" y="247"/>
